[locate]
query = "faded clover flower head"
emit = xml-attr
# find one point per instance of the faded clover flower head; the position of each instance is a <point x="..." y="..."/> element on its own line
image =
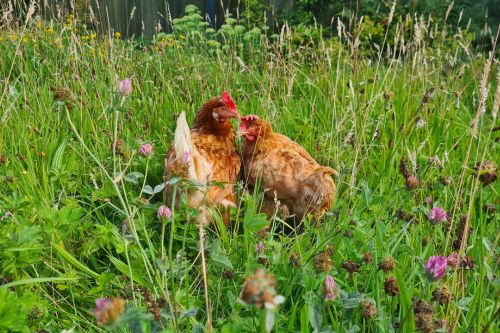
<point x="437" y="215"/>
<point x="108" y="310"/>
<point x="435" y="267"/>
<point x="163" y="212"/>
<point x="330" y="289"/>
<point x="428" y="200"/>
<point x="146" y="149"/>
<point x="259" y="248"/>
<point x="453" y="260"/>
<point x="259" y="290"/>
<point x="125" y="86"/>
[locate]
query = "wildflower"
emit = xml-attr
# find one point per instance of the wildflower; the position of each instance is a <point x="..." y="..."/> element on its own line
<point x="125" y="86"/>
<point x="435" y="267"/>
<point x="368" y="310"/>
<point x="387" y="265"/>
<point x="295" y="259"/>
<point x="108" y="310"/>
<point x="50" y="31"/>
<point x="420" y="122"/>
<point x="445" y="181"/>
<point x="146" y="150"/>
<point x="453" y="260"/>
<point x="442" y="295"/>
<point x="163" y="212"/>
<point x="442" y="325"/>
<point x="323" y="262"/>
<point x="330" y="289"/>
<point x="350" y="266"/>
<point x="428" y="200"/>
<point x="488" y="172"/>
<point x="259" y="248"/>
<point x="424" y="316"/>
<point x="39" y="25"/>
<point x="182" y="37"/>
<point x="463" y="229"/>
<point x="391" y="286"/>
<point x="437" y="215"/>
<point x="259" y="290"/>
<point x="367" y="257"/>
<point x="118" y="34"/>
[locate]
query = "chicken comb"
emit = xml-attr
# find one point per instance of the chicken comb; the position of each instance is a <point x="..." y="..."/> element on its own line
<point x="226" y="98"/>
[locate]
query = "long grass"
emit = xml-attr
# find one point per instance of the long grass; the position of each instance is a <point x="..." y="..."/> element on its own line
<point x="77" y="224"/>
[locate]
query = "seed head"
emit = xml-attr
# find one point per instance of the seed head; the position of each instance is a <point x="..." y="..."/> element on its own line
<point x="368" y="310"/>
<point x="391" y="286"/>
<point x="387" y="265"/>
<point x="350" y="266"/>
<point x="488" y="172"/>
<point x="442" y="295"/>
<point x="259" y="290"/>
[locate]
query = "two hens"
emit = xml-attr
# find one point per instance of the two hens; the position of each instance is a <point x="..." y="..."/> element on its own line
<point x="288" y="173"/>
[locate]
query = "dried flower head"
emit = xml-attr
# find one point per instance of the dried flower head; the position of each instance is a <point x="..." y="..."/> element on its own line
<point x="463" y="230"/>
<point x="488" y="172"/>
<point x="467" y="262"/>
<point x="412" y="182"/>
<point x="323" y="262"/>
<point x="350" y="266"/>
<point x="368" y="310"/>
<point x="125" y="86"/>
<point x="424" y="322"/>
<point x="367" y="257"/>
<point x="295" y="259"/>
<point x="153" y="306"/>
<point x="387" y="265"/>
<point x="428" y="201"/>
<point x="442" y="325"/>
<point x="259" y="248"/>
<point x="228" y="274"/>
<point x="445" y="181"/>
<point x="391" y="286"/>
<point x="146" y="149"/>
<point x="437" y="215"/>
<point x="259" y="290"/>
<point x="435" y="267"/>
<point x="330" y="289"/>
<point x="108" y="310"/>
<point x="453" y="260"/>
<point x="442" y="295"/>
<point x="163" y="212"/>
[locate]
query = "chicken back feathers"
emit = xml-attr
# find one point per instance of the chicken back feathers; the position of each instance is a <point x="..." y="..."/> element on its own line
<point x="287" y="172"/>
<point x="206" y="153"/>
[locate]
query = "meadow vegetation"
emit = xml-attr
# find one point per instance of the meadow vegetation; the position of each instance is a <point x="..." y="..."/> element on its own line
<point x="409" y="121"/>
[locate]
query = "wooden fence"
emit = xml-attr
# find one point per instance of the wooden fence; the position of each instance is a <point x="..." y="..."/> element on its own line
<point x="144" y="17"/>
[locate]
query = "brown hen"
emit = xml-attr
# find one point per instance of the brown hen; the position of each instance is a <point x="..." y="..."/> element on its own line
<point x="287" y="172"/>
<point x="206" y="153"/>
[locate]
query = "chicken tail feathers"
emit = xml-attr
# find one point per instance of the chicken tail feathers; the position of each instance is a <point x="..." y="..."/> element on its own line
<point x="326" y="171"/>
<point x="183" y="144"/>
